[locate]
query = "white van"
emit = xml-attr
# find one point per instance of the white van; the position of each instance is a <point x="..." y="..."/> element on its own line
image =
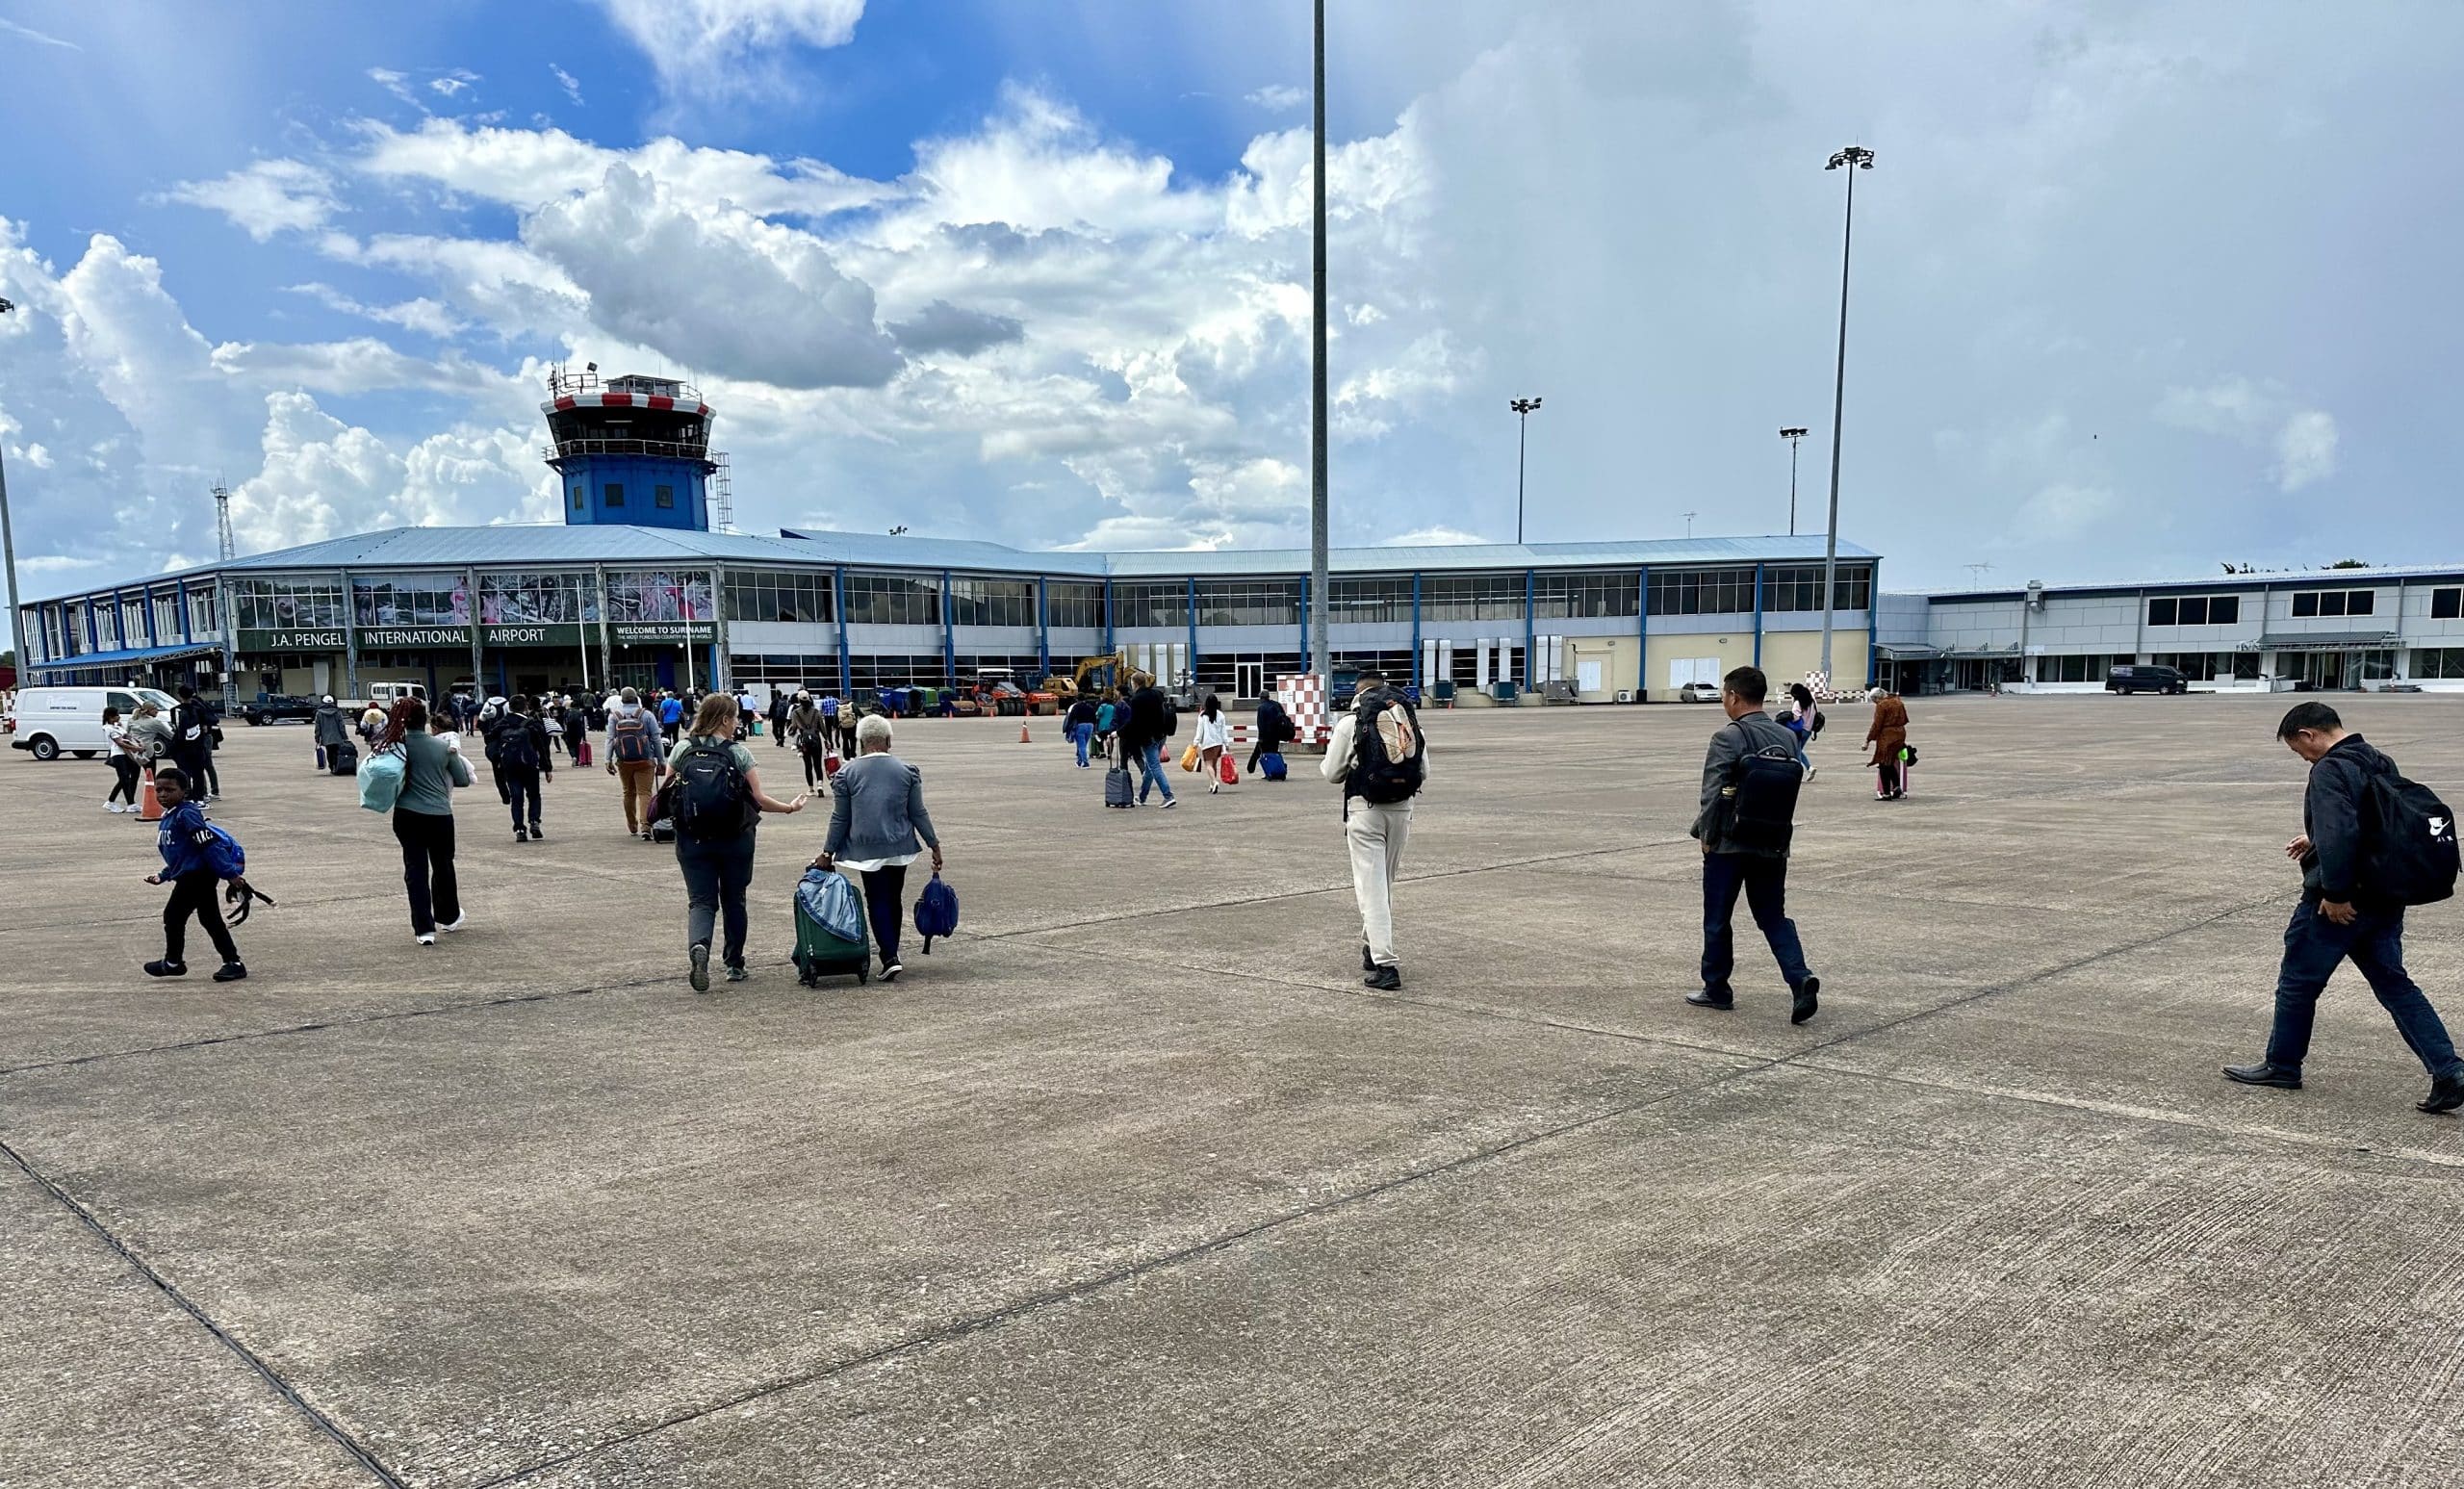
<point x="51" y="720"/>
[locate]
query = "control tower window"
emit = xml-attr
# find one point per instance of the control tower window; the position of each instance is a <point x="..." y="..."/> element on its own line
<point x="577" y="499"/>
<point x="663" y="497"/>
<point x="615" y="494"/>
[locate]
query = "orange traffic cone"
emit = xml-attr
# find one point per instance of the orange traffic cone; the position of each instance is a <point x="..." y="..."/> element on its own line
<point x="150" y="809"/>
<point x="1023" y="734"/>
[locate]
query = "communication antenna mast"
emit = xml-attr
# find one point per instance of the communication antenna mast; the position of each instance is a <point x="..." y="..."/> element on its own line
<point x="222" y="598"/>
<point x="222" y="520"/>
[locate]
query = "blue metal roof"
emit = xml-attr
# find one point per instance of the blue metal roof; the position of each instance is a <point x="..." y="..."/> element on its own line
<point x="418" y="548"/>
<point x="137" y="653"/>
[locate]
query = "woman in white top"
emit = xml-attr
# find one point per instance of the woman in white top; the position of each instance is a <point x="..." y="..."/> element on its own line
<point x="1214" y="737"/>
<point x="128" y="761"/>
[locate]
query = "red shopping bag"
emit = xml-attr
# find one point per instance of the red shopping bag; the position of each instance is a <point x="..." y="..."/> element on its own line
<point x="1224" y="768"/>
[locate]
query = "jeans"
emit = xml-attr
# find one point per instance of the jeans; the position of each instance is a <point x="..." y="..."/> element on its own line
<point x="884" y="889"/>
<point x="716" y="872"/>
<point x="192" y="894"/>
<point x="124" y="766"/>
<point x="1375" y="835"/>
<point x="1083" y="735"/>
<point x="1150" y="770"/>
<point x="521" y="792"/>
<point x="1766" y="882"/>
<point x="427" y="868"/>
<point x="2315" y="946"/>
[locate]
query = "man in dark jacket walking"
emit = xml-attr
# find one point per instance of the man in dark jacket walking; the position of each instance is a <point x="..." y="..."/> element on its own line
<point x="1729" y="867"/>
<point x="192" y="741"/>
<point x="2338" y="918"/>
<point x="1142" y="738"/>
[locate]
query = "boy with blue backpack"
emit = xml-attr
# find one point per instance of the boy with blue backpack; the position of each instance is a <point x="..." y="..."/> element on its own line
<point x="199" y="858"/>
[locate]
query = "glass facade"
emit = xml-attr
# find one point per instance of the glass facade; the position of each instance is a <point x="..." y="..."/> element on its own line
<point x="1707" y="591"/>
<point x="1072" y="603"/>
<point x="1471" y="597"/>
<point x="1585" y="595"/>
<point x="893" y="600"/>
<point x="2198" y="610"/>
<point x="2308" y="603"/>
<point x="1150" y="605"/>
<point x="537" y="599"/>
<point x="1368" y="601"/>
<point x="1250" y="601"/>
<point x="2436" y="663"/>
<point x="993" y="601"/>
<point x="636" y="595"/>
<point x="287" y="604"/>
<point x="772" y="594"/>
<point x="1798" y="587"/>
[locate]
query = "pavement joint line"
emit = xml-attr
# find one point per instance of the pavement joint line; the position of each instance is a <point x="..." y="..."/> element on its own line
<point x="2451" y="1166"/>
<point x="1036" y="1302"/>
<point x="324" y="1424"/>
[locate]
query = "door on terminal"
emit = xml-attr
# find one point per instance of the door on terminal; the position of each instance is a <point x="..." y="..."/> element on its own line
<point x="1249" y="679"/>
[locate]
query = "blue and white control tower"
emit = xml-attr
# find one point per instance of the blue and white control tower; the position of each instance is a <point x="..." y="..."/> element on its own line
<point x="633" y="451"/>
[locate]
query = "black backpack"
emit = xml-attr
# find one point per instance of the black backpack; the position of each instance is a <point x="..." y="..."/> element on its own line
<point x="1387" y="771"/>
<point x="2408" y="851"/>
<point x="516" y="750"/>
<point x="1758" y="804"/>
<point x="711" y="799"/>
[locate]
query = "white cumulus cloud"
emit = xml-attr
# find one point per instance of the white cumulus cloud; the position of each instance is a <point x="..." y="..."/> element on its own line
<point x="265" y="197"/>
<point x="720" y="47"/>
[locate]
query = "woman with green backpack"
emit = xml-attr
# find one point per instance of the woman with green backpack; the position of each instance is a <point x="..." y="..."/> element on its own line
<point x="713" y="795"/>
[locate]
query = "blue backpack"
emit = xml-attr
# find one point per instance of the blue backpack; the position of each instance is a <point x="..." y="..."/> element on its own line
<point x="936" y="913"/>
<point x="223" y="854"/>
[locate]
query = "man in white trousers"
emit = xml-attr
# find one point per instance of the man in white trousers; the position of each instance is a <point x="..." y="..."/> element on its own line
<point x="1377" y="756"/>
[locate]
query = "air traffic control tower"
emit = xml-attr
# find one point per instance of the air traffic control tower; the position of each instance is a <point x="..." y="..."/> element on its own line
<point x="633" y="451"/>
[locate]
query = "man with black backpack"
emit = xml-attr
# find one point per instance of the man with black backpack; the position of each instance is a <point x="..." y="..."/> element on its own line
<point x="2372" y="842"/>
<point x="518" y="748"/>
<point x="1749" y="781"/>
<point x="1377" y="756"/>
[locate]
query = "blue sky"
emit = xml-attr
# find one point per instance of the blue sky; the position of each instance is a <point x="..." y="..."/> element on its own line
<point x="2142" y="285"/>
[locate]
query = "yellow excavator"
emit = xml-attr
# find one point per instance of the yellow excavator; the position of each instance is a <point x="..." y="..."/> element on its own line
<point x="1101" y="672"/>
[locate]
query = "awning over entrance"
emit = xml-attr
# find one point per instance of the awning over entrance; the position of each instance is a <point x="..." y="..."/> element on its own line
<point x="131" y="658"/>
<point x="1906" y="651"/>
<point x="2328" y="641"/>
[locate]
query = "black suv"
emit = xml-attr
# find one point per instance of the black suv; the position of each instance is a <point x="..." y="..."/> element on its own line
<point x="2146" y="680"/>
<point x="269" y="708"/>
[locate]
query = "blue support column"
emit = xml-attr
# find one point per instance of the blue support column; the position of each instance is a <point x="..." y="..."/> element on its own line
<point x="1419" y="679"/>
<point x="1531" y="642"/>
<point x="1193" y="632"/>
<point x="1305" y="624"/>
<point x="1643" y="636"/>
<point x="149" y="618"/>
<point x="1874" y="592"/>
<point x="1757" y="615"/>
<point x="949" y="636"/>
<point x="1044" y="628"/>
<point x="184" y="630"/>
<point x="1110" y="646"/>
<point x="838" y="605"/>
<point x="119" y="623"/>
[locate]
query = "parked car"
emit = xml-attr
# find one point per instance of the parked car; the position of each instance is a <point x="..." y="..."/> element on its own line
<point x="2134" y="678"/>
<point x="1699" y="693"/>
<point x="272" y="708"/>
<point x="51" y="720"/>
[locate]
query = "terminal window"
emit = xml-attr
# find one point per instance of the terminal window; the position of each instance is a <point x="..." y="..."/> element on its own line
<point x="892" y="599"/>
<point x="1257" y="601"/>
<point x="615" y="493"/>
<point x="2446" y="604"/>
<point x="1592" y="596"/>
<point x="1702" y="591"/>
<point x="1150" y="605"/>
<point x="1367" y="601"/>
<point x="663" y="496"/>
<point x="1080" y="605"/>
<point x="577" y="499"/>
<point x="760" y="594"/>
<point x="993" y="601"/>
<point x="2334" y="602"/>
<point x="2434" y="663"/>
<point x="1790" y="587"/>
<point x="2196" y="611"/>
<point x="1472" y="597"/>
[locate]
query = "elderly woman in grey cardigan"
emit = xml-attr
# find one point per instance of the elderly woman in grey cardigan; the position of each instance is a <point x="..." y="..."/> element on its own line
<point x="877" y="818"/>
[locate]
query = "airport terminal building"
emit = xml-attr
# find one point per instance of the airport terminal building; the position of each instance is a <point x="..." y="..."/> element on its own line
<point x="2326" y="629"/>
<point x="637" y="587"/>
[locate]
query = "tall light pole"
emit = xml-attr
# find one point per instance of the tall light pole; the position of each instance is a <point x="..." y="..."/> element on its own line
<point x="1318" y="606"/>
<point x="1523" y="408"/>
<point x="9" y="552"/>
<point x="1855" y="158"/>
<point x="1793" y="436"/>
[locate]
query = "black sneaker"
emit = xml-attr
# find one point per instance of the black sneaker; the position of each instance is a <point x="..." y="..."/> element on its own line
<point x="1713" y="997"/>
<point x="166" y="969"/>
<point x="1368" y="963"/>
<point x="1384" y="979"/>
<point x="700" y="975"/>
<point x="521" y="837"/>
<point x="2446" y="1093"/>
<point x="230" y="972"/>
<point x="2281" y="1077"/>
<point x="890" y="970"/>
<point x="536" y="831"/>
<point x="737" y="972"/>
<point x="1809" y="1000"/>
